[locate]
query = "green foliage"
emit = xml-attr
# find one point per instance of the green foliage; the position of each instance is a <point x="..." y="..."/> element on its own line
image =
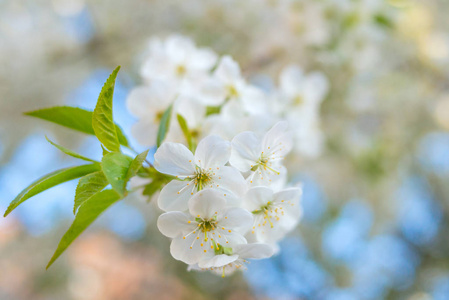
<point x="187" y="134"/>
<point x="88" y="212"/>
<point x="164" y="126"/>
<point x="136" y="164"/>
<point x="70" y="152"/>
<point x="212" y="110"/>
<point x="88" y="186"/>
<point x="74" y="118"/>
<point x="102" y="120"/>
<point x="115" y="167"/>
<point x="158" y="181"/>
<point x="384" y="21"/>
<point x="51" y="180"/>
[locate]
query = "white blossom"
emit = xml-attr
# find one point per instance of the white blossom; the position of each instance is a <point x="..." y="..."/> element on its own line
<point x="205" y="169"/>
<point x="208" y="224"/>
<point x="275" y="214"/>
<point x="149" y="103"/>
<point x="179" y="61"/>
<point x="262" y="156"/>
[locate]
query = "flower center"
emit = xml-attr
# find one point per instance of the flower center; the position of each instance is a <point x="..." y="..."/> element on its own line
<point x="207" y="225"/>
<point x="263" y="162"/>
<point x="232" y="92"/>
<point x="158" y="116"/>
<point x="202" y="178"/>
<point x="298" y="100"/>
<point x="181" y="70"/>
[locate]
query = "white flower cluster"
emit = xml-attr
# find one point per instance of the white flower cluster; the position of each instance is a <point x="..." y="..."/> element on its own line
<point x="228" y="201"/>
<point x="214" y="98"/>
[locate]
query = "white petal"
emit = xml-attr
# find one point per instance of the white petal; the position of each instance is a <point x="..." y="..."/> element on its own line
<point x="217" y="261"/>
<point x="229" y="179"/>
<point x="315" y="87"/>
<point x="175" y="224"/>
<point x="174" y="159"/>
<point x="228" y="70"/>
<point x="257" y="197"/>
<point x="137" y="101"/>
<point x="246" y="150"/>
<point x="179" y="48"/>
<point x="212" y="152"/>
<point x="277" y="141"/>
<point x="212" y="92"/>
<point x="237" y="219"/>
<point x="175" y="195"/>
<point x="207" y="203"/>
<point x="192" y="111"/>
<point x="180" y="249"/>
<point x="254" y="100"/>
<point x="145" y="132"/>
<point x="290" y="80"/>
<point x="233" y="239"/>
<point x="202" y="59"/>
<point x="254" y="251"/>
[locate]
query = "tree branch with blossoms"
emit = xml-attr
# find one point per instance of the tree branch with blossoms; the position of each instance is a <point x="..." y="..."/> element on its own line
<point x="218" y="169"/>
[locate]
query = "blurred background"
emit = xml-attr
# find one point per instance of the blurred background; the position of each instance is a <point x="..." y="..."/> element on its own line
<point x="376" y="201"/>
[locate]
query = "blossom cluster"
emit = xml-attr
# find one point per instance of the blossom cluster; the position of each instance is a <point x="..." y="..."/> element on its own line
<point x="212" y="95"/>
<point x="228" y="200"/>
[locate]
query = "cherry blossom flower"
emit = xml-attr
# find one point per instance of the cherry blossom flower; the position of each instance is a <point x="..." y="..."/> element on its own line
<point x="149" y="103"/>
<point x="207" y="225"/>
<point x="205" y="169"/>
<point x="228" y="84"/>
<point x="261" y="156"/>
<point x="178" y="60"/>
<point x="275" y="214"/>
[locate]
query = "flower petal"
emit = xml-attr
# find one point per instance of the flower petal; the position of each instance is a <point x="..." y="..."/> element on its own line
<point x="277" y="141"/>
<point x="257" y="197"/>
<point x="228" y="70"/>
<point x="229" y="179"/>
<point x="145" y="132"/>
<point x="217" y="261"/>
<point x="174" y="159"/>
<point x="180" y="249"/>
<point x="212" y="152"/>
<point x="174" y="224"/>
<point x="207" y="203"/>
<point x="246" y="150"/>
<point x="237" y="219"/>
<point x="175" y="195"/>
<point x="254" y="251"/>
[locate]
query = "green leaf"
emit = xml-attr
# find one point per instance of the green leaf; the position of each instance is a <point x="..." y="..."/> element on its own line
<point x="136" y="164"/>
<point x="102" y="120"/>
<point x="88" y="186"/>
<point x="70" y="152"/>
<point x="163" y="126"/>
<point x="87" y="213"/>
<point x="151" y="188"/>
<point x="51" y="180"/>
<point x="187" y="134"/>
<point x="115" y="167"/>
<point x="74" y="118"/>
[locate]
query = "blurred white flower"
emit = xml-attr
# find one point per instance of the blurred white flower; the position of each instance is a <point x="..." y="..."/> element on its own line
<point x="179" y="61"/>
<point x="148" y="104"/>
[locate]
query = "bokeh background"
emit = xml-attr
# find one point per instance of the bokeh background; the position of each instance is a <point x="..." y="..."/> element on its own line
<point x="376" y="201"/>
